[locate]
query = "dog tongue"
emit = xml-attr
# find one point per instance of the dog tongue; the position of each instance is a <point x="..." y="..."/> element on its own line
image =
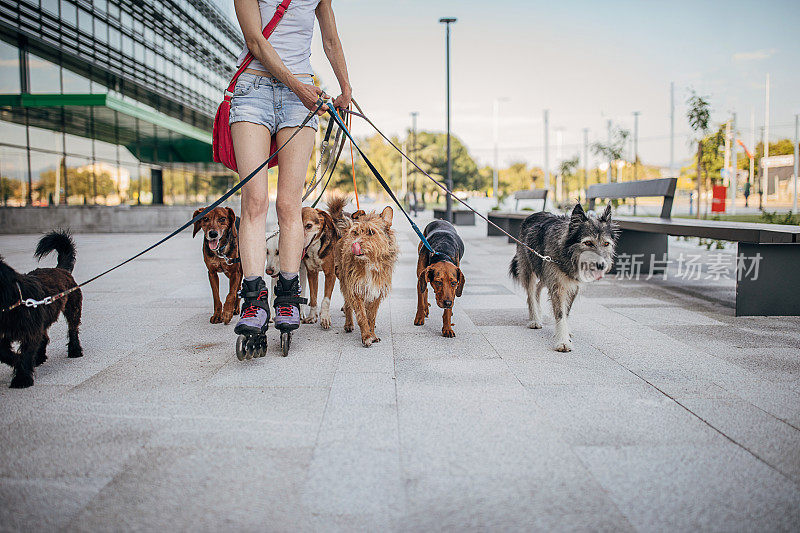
<point x="356" y="248"/>
<point x="213" y="244"/>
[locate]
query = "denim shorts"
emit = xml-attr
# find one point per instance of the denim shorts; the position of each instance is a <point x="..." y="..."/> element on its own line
<point x="267" y="101"/>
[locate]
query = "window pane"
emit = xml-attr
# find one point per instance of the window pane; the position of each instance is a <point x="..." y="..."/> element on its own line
<point x="44" y="75"/>
<point x="74" y="83"/>
<point x="85" y="21"/>
<point x="13" y="174"/>
<point x="9" y="68"/>
<point x="51" y="6"/>
<point x="69" y="13"/>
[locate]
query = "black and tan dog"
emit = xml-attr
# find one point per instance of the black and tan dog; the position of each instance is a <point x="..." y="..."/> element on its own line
<point x="442" y="271"/>
<point x="29" y="325"/>
<point x="221" y="254"/>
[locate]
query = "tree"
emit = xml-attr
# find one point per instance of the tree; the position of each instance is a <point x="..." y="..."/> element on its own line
<point x="698" y="114"/>
<point x="612" y="151"/>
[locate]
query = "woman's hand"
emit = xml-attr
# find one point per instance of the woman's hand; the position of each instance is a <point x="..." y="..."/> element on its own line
<point x="309" y="94"/>
<point x="343" y="100"/>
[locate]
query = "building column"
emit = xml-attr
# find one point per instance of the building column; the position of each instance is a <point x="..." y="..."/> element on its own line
<point x="157" y="186"/>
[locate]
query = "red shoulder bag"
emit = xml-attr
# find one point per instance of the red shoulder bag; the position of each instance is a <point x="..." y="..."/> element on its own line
<point x="222" y="144"/>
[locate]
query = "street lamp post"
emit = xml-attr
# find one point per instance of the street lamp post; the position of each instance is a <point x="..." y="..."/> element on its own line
<point x="414" y="156"/>
<point x="449" y="200"/>
<point x="496" y="134"/>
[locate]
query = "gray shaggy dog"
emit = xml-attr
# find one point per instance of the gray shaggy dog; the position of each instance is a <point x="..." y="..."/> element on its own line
<point x="582" y="250"/>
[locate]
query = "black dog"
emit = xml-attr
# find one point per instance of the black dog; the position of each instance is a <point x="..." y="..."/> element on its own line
<point x="29" y="325"/>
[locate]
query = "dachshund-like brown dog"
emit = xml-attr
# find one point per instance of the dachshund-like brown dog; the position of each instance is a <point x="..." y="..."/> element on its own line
<point x="442" y="271"/>
<point x="221" y="254"/>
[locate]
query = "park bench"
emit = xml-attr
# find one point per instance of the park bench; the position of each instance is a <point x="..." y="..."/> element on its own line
<point x="771" y="288"/>
<point x="461" y="217"/>
<point x="512" y="220"/>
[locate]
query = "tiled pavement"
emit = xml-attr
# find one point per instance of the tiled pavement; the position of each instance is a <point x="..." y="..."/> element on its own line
<point x="670" y="413"/>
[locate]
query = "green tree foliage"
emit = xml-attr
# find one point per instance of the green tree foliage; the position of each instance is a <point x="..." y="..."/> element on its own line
<point x="612" y="150"/>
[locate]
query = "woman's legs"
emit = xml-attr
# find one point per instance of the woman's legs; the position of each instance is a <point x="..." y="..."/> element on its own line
<point x="292" y="166"/>
<point x="251" y="144"/>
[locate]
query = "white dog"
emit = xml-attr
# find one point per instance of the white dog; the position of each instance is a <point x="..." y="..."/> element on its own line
<point x="273" y="267"/>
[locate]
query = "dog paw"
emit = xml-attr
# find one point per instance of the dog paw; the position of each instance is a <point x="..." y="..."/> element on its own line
<point x="41" y="358"/>
<point x="226" y="318"/>
<point x="21" y="381"/>
<point x="419" y="320"/>
<point x="376" y="339"/>
<point x="74" y="353"/>
<point x="535" y="324"/>
<point x="366" y="341"/>
<point x="563" y="346"/>
<point x="312" y="316"/>
<point x="448" y="332"/>
<point x="216" y="318"/>
<point x="348" y="328"/>
<point x="325" y="322"/>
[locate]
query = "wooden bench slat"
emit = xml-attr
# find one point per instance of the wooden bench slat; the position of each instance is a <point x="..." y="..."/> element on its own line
<point x="713" y="229"/>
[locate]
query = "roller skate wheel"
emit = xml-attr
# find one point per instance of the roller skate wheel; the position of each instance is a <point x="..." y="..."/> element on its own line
<point x="286" y="341"/>
<point x="241" y="341"/>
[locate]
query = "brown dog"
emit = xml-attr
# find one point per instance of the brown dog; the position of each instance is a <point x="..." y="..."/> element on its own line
<point x="442" y="271"/>
<point x="221" y="254"/>
<point x="320" y="238"/>
<point x="365" y="258"/>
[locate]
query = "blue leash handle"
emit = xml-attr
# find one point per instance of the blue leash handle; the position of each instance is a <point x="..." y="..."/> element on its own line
<point x="335" y="115"/>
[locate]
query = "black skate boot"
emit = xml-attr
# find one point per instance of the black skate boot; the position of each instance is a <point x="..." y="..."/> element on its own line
<point x="253" y="324"/>
<point x="287" y="309"/>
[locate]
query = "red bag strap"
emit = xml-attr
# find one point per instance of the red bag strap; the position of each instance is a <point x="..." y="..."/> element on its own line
<point x="268" y="29"/>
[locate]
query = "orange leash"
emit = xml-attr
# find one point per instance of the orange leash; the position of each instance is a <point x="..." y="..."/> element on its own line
<point x="353" y="163"/>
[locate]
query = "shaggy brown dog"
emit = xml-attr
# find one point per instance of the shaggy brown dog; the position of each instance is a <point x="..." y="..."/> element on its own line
<point x="221" y="254"/>
<point x="321" y="237"/>
<point x="365" y="258"/>
<point x="29" y="325"/>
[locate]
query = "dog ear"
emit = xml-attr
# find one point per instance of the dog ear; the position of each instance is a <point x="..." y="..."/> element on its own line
<point x="606" y="216"/>
<point x="197" y="222"/>
<point x="578" y="214"/>
<point x="461" y="281"/>
<point x="231" y="217"/>
<point x="387" y="215"/>
<point x="422" y="282"/>
<point x="577" y="218"/>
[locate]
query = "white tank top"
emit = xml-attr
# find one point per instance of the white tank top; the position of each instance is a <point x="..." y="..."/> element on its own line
<point x="292" y="36"/>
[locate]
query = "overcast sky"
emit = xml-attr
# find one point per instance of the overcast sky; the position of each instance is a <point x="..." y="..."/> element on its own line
<point x="584" y="60"/>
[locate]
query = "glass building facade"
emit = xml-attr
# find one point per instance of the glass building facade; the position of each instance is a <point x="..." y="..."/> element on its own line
<point x="111" y="101"/>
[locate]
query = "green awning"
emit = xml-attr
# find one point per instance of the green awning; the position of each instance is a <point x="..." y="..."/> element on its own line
<point x="159" y="138"/>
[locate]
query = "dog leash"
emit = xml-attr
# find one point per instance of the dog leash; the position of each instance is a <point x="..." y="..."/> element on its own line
<point x="380" y="179"/>
<point x="30" y="302"/>
<point x="363" y="115"/>
<point x="18" y="302"/>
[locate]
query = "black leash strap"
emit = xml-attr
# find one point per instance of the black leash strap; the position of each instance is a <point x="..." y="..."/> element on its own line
<point x="231" y="192"/>
<point x="380" y="179"/>
<point x="361" y="114"/>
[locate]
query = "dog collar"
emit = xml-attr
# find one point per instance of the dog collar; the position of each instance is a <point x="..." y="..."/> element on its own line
<point x="17" y="303"/>
<point x="438" y="257"/>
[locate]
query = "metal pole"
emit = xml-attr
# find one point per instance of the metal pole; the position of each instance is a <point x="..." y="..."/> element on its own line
<point x="414" y="156"/>
<point x="796" y="160"/>
<point x="734" y="165"/>
<point x="546" y="149"/>
<point x="751" y="178"/>
<point x="448" y="199"/>
<point x="585" y="160"/>
<point x="635" y="144"/>
<point x="765" y="171"/>
<point x="495" y="126"/>
<point x="608" y="140"/>
<point x="672" y="129"/>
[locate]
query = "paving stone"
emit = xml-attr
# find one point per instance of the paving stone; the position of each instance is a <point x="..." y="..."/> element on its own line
<point x="690" y="487"/>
